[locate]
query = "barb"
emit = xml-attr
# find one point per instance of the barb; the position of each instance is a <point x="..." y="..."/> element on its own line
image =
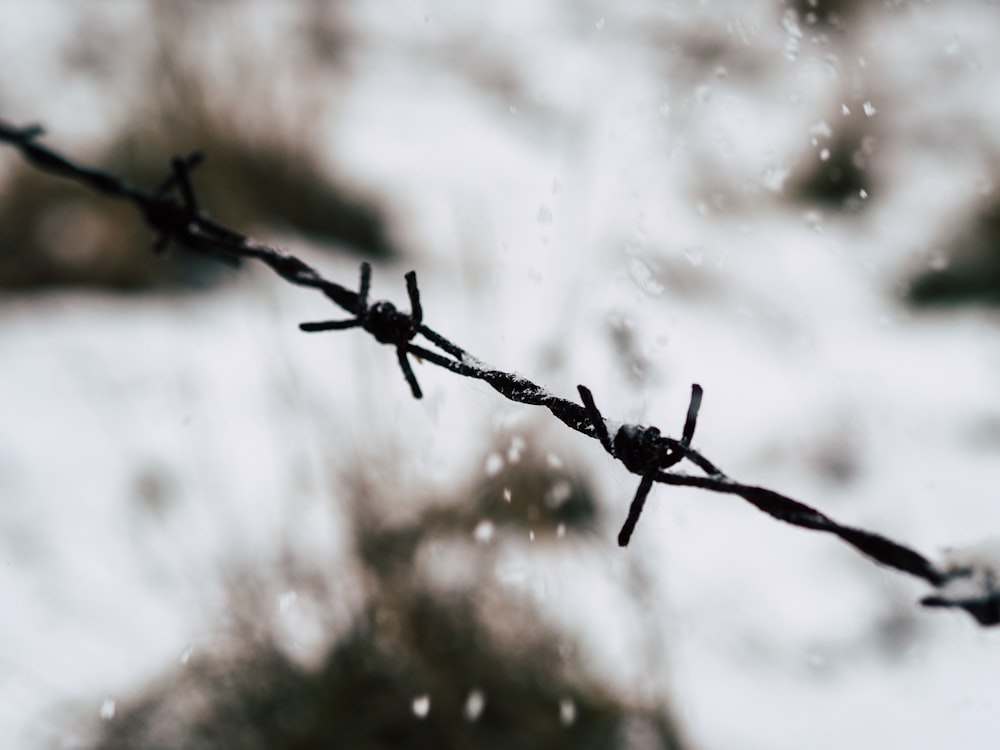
<point x="383" y="321"/>
<point x="172" y="212"/>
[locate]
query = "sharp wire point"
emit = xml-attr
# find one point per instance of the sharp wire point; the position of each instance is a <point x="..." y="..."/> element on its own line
<point x="635" y="510"/>
<point x="411" y="378"/>
<point x="692" y="415"/>
<point x="595" y="418"/>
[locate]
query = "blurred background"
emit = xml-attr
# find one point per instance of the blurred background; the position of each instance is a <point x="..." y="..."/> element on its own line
<point x="217" y="531"/>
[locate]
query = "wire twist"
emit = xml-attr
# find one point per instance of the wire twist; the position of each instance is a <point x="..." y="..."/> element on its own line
<point x="383" y="321"/>
<point x="643" y="450"/>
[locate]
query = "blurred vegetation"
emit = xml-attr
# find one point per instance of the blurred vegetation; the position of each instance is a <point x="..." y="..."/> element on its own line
<point x="253" y="181"/>
<point x="263" y="171"/>
<point x="53" y="232"/>
<point x="968" y="270"/>
<point x="423" y="663"/>
<point x="825" y="14"/>
<point x="836" y="171"/>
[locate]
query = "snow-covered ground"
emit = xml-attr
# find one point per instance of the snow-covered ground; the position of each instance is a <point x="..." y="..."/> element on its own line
<point x="593" y="193"/>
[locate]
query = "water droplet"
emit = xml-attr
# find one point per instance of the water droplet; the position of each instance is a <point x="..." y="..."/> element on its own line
<point x="567" y="712"/>
<point x="483" y="531"/>
<point x="817" y="660"/>
<point x="845" y="110"/>
<point x="824" y="155"/>
<point x="561" y="530"/>
<point x="506" y="494"/>
<point x="863" y="194"/>
<point x="553" y="460"/>
<point x="185" y="656"/>
<point x="494" y="463"/>
<point x="821" y="128"/>
<point x="644" y="278"/>
<point x="108" y="709"/>
<point x="531" y="535"/>
<point x="790" y="23"/>
<point x="514" y="574"/>
<point x="938" y="262"/>
<point x="515" y="449"/>
<point x="421" y="706"/>
<point x="694" y="256"/>
<point x="544" y="215"/>
<point x="813" y="219"/>
<point x="774" y="178"/>
<point x="474" y="705"/>
<point x="558" y="493"/>
<point x="869" y="109"/>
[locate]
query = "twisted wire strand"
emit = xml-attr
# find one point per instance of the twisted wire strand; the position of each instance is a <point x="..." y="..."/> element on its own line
<point x="173" y="214"/>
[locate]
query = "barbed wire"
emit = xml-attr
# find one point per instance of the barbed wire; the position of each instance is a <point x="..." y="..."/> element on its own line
<point x="171" y="210"/>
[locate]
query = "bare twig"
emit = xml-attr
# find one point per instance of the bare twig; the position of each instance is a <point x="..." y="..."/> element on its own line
<point x="173" y="214"/>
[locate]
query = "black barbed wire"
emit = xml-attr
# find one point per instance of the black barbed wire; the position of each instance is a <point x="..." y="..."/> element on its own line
<point x="171" y="210"/>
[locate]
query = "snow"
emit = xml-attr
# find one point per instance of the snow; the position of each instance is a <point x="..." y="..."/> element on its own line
<point x="421" y="706"/>
<point x="558" y="172"/>
<point x="474" y="705"/>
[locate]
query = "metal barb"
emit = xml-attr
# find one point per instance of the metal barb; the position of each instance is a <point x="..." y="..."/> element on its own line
<point x="692" y="414"/>
<point x="596" y="420"/>
<point x="383" y="321"/>
<point x="635" y="509"/>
